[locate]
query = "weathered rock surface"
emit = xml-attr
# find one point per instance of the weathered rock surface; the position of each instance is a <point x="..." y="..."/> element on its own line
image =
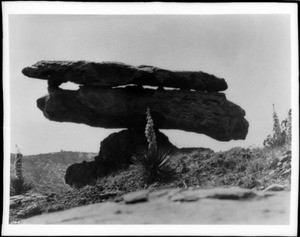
<point x="109" y="74"/>
<point x="201" y="112"/>
<point x="81" y="174"/>
<point x="179" y="206"/>
<point x="17" y="200"/>
<point x="26" y="205"/>
<point x="115" y="153"/>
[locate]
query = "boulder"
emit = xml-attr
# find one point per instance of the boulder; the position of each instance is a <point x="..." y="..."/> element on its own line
<point x="201" y="112"/>
<point x="110" y="74"/>
<point x="118" y="148"/>
<point x="81" y="174"/>
<point x="115" y="153"/>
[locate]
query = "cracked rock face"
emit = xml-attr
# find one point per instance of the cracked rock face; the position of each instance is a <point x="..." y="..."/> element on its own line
<point x="110" y="74"/>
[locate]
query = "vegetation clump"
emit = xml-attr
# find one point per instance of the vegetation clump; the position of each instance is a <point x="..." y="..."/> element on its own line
<point x="19" y="184"/>
<point x="154" y="164"/>
<point x="282" y="134"/>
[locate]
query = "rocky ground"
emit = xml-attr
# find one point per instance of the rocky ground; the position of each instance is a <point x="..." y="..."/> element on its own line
<point x="180" y="206"/>
<point x="253" y="169"/>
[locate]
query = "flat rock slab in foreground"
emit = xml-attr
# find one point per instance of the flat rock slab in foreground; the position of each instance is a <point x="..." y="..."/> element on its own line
<point x="194" y="111"/>
<point x="109" y="74"/>
<point x="198" y="206"/>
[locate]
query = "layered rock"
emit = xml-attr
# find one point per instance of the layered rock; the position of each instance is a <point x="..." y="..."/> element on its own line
<point x="110" y="74"/>
<point x="201" y="112"/>
<point x="115" y="153"/>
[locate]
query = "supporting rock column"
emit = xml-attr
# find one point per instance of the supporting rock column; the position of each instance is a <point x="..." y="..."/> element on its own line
<point x="115" y="154"/>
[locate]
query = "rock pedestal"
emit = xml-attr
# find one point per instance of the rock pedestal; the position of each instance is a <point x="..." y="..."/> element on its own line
<point x="115" y="153"/>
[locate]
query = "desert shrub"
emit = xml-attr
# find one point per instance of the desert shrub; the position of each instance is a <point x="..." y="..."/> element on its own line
<point x="19" y="184"/>
<point x="282" y="134"/>
<point x="249" y="181"/>
<point x="154" y="164"/>
<point x="255" y="166"/>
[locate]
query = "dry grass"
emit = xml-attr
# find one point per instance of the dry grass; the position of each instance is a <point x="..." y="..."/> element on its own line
<point x="255" y="168"/>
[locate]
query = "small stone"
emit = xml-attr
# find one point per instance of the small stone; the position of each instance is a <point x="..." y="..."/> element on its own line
<point x="136" y="197"/>
<point x="275" y="187"/>
<point x="234" y="195"/>
<point x="118" y="199"/>
<point x="271" y="172"/>
<point x="284" y="158"/>
<point x="184" y="198"/>
<point x="286" y="172"/>
<point x="118" y="212"/>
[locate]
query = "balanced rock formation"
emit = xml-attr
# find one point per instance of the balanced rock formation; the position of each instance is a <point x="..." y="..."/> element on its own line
<point x="111" y="95"/>
<point x="115" y="153"/>
<point x="110" y="74"/>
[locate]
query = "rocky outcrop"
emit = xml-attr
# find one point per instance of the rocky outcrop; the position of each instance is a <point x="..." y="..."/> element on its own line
<point x="201" y="112"/>
<point x="81" y="174"/>
<point x="193" y="206"/>
<point x="110" y="74"/>
<point x="115" y="153"/>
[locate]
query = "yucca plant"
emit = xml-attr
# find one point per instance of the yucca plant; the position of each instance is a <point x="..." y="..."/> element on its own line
<point x="154" y="164"/>
<point x="19" y="184"/>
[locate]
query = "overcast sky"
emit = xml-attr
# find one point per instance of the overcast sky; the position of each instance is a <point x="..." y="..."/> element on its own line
<point x="252" y="53"/>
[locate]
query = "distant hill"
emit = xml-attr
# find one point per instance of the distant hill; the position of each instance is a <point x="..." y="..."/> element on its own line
<point x="47" y="170"/>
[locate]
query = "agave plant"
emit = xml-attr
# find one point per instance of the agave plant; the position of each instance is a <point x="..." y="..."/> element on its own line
<point x="19" y="186"/>
<point x="154" y="165"/>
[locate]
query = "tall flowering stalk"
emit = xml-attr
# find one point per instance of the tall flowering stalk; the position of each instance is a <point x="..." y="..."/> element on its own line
<point x="18" y="164"/>
<point x="154" y="164"/>
<point x="150" y="132"/>
<point x="19" y="184"/>
<point x="282" y="135"/>
<point x="276" y="124"/>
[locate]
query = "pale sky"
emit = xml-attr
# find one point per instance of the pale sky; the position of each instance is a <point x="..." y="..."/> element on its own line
<point x="252" y="53"/>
